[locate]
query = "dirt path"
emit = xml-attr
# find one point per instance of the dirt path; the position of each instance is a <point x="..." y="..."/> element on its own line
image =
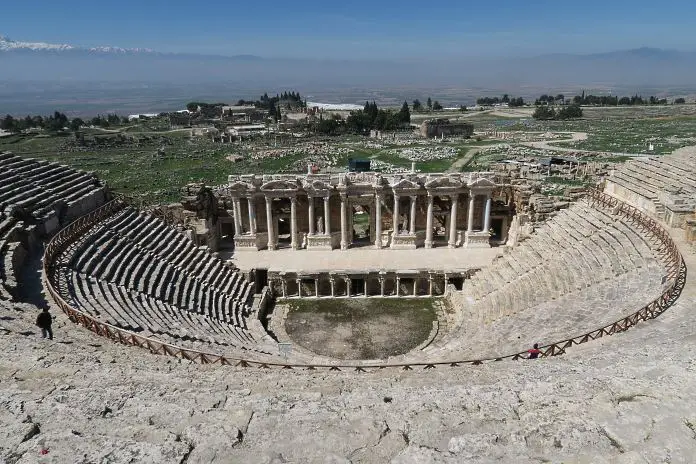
<point x="546" y="144"/>
<point x="466" y="159"/>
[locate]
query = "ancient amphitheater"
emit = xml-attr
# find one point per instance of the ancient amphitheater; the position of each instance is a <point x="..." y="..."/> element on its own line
<point x="163" y="351"/>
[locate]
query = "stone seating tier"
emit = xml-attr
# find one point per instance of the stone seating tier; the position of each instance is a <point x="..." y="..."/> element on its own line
<point x="581" y="248"/>
<point x="53" y="194"/>
<point x="651" y="175"/>
<point x="140" y="253"/>
<point x="137" y="312"/>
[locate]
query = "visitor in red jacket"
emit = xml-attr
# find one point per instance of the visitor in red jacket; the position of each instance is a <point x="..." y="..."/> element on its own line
<point x="534" y="352"/>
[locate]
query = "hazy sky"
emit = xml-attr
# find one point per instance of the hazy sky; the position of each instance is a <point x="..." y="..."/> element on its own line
<point x="357" y="28"/>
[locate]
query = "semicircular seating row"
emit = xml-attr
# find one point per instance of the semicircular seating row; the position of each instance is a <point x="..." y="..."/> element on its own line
<point x="36" y="199"/>
<point x="648" y="176"/>
<point x="137" y="273"/>
<point x="581" y="270"/>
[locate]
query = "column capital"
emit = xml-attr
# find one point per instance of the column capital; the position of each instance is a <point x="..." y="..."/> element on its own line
<point x="413" y="197"/>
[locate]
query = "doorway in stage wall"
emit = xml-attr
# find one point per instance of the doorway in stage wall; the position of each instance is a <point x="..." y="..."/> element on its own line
<point x="497" y="226"/>
<point x="360" y="224"/>
<point x="227" y="233"/>
<point x="260" y="279"/>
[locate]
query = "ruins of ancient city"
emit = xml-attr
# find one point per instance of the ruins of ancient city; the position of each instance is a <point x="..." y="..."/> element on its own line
<point x="349" y="307"/>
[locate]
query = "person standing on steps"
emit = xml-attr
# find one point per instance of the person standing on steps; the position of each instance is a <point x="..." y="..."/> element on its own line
<point x="44" y="321"/>
<point x="534" y="352"/>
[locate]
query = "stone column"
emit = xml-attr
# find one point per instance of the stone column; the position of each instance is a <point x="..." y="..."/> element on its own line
<point x="381" y="285"/>
<point x="412" y="219"/>
<point x="344" y="222"/>
<point x="316" y="287"/>
<point x="378" y="221"/>
<point x="470" y="219"/>
<point x="332" y="282"/>
<point x="398" y="284"/>
<point x="327" y="216"/>
<point x="453" y="222"/>
<point x="293" y="222"/>
<point x="487" y="215"/>
<point x="430" y="284"/>
<point x="395" y="216"/>
<point x="310" y="199"/>
<point x="415" y="285"/>
<point x="251" y="206"/>
<point x="236" y="211"/>
<point x="269" y="222"/>
<point x="284" y="287"/>
<point x="429" y="223"/>
<point x="348" y="285"/>
<point x="299" y="287"/>
<point x="365" y="286"/>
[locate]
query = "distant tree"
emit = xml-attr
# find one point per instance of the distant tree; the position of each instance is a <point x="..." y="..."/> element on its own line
<point x="76" y="123"/>
<point x="437" y="106"/>
<point x="569" y="112"/>
<point x="429" y="104"/>
<point x="505" y="99"/>
<point x="544" y="113"/>
<point x="417" y="105"/>
<point x="517" y="102"/>
<point x="679" y="101"/>
<point x="560" y="98"/>
<point x="404" y="114"/>
<point x="8" y="124"/>
<point x="462" y="108"/>
<point x="192" y="107"/>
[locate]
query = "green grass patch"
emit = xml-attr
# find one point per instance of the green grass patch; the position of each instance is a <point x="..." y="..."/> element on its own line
<point x="360" y="328"/>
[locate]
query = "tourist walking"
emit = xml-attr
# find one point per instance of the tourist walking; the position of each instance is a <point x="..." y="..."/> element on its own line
<point x="44" y="321"/>
<point x="534" y="352"/>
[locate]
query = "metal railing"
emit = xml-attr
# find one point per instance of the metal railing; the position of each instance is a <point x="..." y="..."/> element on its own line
<point x="666" y="249"/>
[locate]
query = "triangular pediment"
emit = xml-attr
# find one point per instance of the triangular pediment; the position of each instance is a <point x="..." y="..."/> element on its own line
<point x="405" y="184"/>
<point x="240" y="186"/>
<point x="317" y="185"/>
<point x="279" y="185"/>
<point x="442" y="182"/>
<point x="481" y="182"/>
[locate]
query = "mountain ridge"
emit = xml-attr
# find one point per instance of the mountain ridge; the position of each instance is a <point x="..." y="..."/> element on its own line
<point x="9" y="45"/>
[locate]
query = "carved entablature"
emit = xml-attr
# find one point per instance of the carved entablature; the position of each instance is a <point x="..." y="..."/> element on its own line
<point x="358" y="184"/>
<point x="317" y="187"/>
<point x="443" y="185"/>
<point x="405" y="187"/>
<point x="240" y="189"/>
<point x="372" y="179"/>
<point x="280" y="188"/>
<point x="481" y="182"/>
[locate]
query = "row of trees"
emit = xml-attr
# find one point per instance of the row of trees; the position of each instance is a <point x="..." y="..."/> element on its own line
<point x="371" y="117"/>
<point x="505" y="99"/>
<point x="602" y="100"/>
<point x="430" y="105"/>
<point x="546" y="112"/>
<point x="57" y="122"/>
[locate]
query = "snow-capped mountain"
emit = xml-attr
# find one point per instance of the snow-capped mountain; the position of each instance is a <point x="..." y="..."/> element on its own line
<point x="9" y="45"/>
